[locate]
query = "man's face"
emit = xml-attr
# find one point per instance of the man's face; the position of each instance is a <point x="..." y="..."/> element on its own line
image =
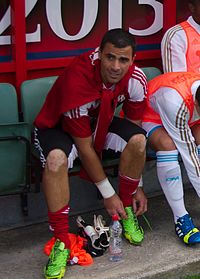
<point x="195" y="11"/>
<point x="115" y="62"/>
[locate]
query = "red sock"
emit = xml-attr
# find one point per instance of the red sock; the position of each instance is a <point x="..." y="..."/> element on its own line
<point x="127" y="187"/>
<point x="58" y="222"/>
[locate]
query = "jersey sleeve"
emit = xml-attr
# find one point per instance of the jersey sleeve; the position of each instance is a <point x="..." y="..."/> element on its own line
<point x="76" y="122"/>
<point x="135" y="103"/>
<point x="173" y="50"/>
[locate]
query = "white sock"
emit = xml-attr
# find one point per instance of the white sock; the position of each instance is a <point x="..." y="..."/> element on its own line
<point x="169" y="175"/>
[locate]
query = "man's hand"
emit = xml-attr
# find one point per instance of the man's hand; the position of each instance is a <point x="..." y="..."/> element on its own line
<point x="139" y="202"/>
<point x="114" y="206"/>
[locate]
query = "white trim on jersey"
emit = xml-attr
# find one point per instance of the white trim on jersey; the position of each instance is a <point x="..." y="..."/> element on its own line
<point x="137" y="86"/>
<point x="82" y="110"/>
<point x="139" y="75"/>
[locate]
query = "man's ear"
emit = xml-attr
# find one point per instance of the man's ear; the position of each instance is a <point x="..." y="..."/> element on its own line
<point x="133" y="59"/>
<point x="191" y="8"/>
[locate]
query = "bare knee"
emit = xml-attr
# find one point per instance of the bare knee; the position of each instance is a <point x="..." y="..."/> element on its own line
<point x="166" y="144"/>
<point x="137" y="143"/>
<point x="161" y="141"/>
<point x="55" y="160"/>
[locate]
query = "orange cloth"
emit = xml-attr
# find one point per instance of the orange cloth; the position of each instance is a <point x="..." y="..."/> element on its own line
<point x="48" y="246"/>
<point x="193" y="48"/>
<point x="76" y="249"/>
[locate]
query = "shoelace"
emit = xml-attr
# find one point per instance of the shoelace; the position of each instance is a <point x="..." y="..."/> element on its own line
<point x="133" y="221"/>
<point x="136" y="224"/>
<point x="147" y="222"/>
<point x="188" y="224"/>
<point x="138" y="228"/>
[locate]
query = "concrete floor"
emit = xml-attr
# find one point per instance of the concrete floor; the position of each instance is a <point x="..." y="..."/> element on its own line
<point x="161" y="255"/>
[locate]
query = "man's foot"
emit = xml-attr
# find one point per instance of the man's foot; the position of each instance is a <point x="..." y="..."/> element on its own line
<point x="186" y="230"/>
<point x="131" y="228"/>
<point x="56" y="266"/>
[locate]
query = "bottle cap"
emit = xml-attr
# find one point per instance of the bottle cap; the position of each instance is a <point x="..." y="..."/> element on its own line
<point x="115" y="217"/>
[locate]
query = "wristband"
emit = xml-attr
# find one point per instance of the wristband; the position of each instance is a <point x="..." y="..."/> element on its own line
<point x="105" y="188"/>
<point x="139" y="185"/>
<point x="141" y="182"/>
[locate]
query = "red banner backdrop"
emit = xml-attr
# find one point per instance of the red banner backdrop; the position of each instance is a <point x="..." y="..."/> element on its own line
<point x="40" y="37"/>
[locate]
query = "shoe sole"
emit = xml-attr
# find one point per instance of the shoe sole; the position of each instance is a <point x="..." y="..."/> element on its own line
<point x="60" y="276"/>
<point x="129" y="239"/>
<point x="189" y="244"/>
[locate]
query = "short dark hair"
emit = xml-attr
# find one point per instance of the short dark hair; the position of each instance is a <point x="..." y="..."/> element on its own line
<point x="197" y="97"/>
<point x="193" y="2"/>
<point x="119" y="38"/>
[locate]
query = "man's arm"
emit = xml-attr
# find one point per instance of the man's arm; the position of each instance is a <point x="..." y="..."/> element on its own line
<point x="133" y="110"/>
<point x="89" y="158"/>
<point x="93" y="166"/>
<point x="173" y="50"/>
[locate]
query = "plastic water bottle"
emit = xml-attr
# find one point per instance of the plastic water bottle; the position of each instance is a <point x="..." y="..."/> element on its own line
<point x="115" y="243"/>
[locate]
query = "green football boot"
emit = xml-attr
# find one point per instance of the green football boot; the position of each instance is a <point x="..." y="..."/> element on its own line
<point x="132" y="231"/>
<point x="56" y="265"/>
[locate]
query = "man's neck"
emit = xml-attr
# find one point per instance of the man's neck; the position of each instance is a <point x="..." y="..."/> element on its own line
<point x="109" y="86"/>
<point x="194" y="23"/>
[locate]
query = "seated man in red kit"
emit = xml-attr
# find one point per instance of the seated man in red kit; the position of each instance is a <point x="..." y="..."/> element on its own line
<point x="88" y="91"/>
